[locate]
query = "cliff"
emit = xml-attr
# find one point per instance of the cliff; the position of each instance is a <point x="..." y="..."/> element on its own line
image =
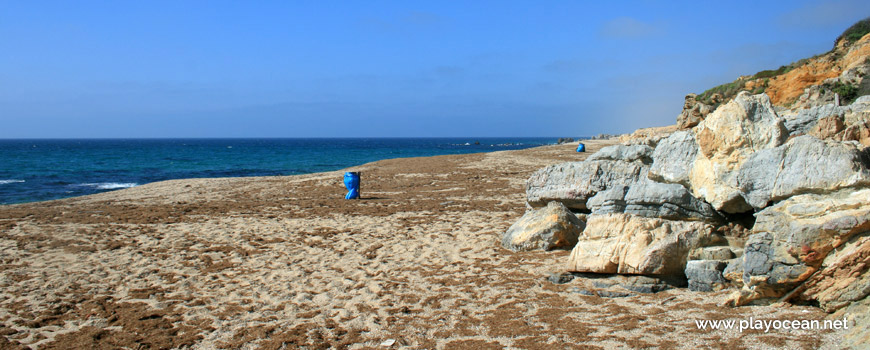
<point x="836" y="76"/>
<point x="763" y="192"/>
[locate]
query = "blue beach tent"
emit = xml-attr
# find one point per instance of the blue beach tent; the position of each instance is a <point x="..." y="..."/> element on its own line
<point x="581" y="148"/>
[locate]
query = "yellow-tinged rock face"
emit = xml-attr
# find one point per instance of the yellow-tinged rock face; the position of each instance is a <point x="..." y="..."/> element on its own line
<point x="624" y="243"/>
<point x="843" y="278"/>
<point x="550" y="227"/>
<point x="803" y="234"/>
<point x="786" y="88"/>
<point x="726" y="138"/>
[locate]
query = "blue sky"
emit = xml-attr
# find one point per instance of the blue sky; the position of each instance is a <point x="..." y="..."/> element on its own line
<point x="384" y="68"/>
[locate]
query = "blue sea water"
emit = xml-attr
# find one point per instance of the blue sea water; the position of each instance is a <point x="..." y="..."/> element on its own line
<point x="37" y="170"/>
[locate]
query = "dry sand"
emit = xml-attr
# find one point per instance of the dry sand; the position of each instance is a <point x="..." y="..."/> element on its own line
<point x="286" y="262"/>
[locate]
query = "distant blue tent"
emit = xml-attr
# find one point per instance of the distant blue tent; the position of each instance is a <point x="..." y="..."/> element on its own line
<point x="581" y="148"/>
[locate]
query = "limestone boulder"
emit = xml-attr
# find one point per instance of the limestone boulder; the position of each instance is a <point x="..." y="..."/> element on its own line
<point x="653" y="200"/>
<point x="573" y="183"/>
<point x="843" y="278"/>
<point x="828" y="127"/>
<point x="673" y="158"/>
<point x="802" y="121"/>
<point x="631" y="244"/>
<point x="706" y="275"/>
<point x="833" y="122"/>
<point x="611" y="200"/>
<point x="804" y="164"/>
<point x="712" y="253"/>
<point x="791" y="239"/>
<point x="624" y="153"/>
<point x="726" y="139"/>
<point x="547" y="228"/>
<point x="858" y="132"/>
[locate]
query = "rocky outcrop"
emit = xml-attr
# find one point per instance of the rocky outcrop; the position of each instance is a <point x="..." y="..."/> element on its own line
<point x="551" y="227"/>
<point x="653" y="200"/>
<point x="832" y="122"/>
<point x="826" y="91"/>
<point x="647" y="136"/>
<point x="804" y="164"/>
<point x="726" y="139"/>
<point x="791" y="239"/>
<point x="802" y="121"/>
<point x="713" y="253"/>
<point x="693" y="112"/>
<point x="771" y="201"/>
<point x="804" y="86"/>
<point x="631" y="244"/>
<point x="843" y="277"/>
<point x="673" y="158"/>
<point x="572" y="184"/>
<point x="706" y="275"/>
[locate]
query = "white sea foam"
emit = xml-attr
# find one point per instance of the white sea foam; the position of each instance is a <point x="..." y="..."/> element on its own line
<point x="109" y="185"/>
<point x="4" y="182"/>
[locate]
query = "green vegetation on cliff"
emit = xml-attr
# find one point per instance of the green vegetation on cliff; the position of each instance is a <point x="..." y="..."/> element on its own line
<point x="855" y="32"/>
<point x="758" y="82"/>
<point x="729" y="90"/>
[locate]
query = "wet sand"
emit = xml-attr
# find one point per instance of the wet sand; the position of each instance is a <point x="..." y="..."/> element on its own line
<point x="286" y="262"/>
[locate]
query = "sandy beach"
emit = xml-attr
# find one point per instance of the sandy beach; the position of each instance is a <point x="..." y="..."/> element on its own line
<point x="287" y="262"/>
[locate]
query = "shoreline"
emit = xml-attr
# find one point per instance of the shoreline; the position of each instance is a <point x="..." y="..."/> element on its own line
<point x="286" y="261"/>
<point x="45" y="184"/>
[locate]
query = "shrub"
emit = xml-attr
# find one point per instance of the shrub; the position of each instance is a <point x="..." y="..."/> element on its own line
<point x="855" y="32"/>
<point x="847" y="92"/>
<point x="773" y="73"/>
<point x="727" y="91"/>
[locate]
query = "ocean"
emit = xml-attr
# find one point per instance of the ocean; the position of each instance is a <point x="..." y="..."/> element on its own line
<point x="38" y="170"/>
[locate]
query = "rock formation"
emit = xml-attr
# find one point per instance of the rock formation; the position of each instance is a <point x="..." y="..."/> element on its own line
<point x="630" y="244"/>
<point x="726" y="139"/>
<point x="774" y="207"/>
<point x="572" y="184"/>
<point x="548" y="228"/>
<point x="770" y="201"/>
<point x="693" y="112"/>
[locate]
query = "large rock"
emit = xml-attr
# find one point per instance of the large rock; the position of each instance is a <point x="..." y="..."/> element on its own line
<point x="572" y="184"/>
<point x="712" y="253"/>
<point x="791" y="239"/>
<point x="630" y="244"/>
<point x="844" y="276"/>
<point x="828" y="127"/>
<point x="624" y="153"/>
<point x="551" y="227"/>
<point x="830" y="121"/>
<point x="706" y="275"/>
<point x="693" y="112"/>
<point x="673" y="158"/>
<point x="653" y="200"/>
<point x="726" y="138"/>
<point x="804" y="164"/>
<point x="802" y="121"/>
